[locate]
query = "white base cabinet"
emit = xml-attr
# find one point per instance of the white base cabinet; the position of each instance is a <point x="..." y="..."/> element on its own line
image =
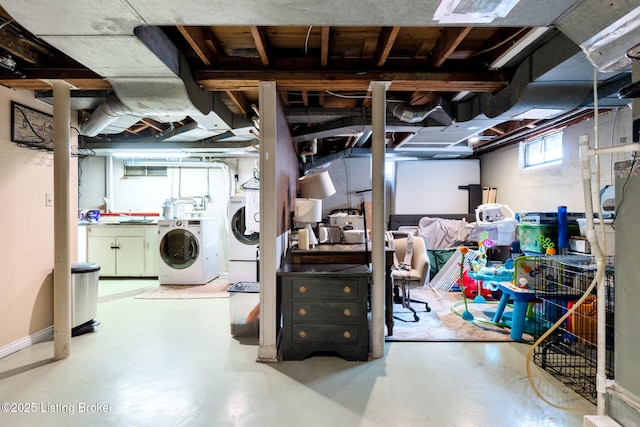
<point x="123" y="250"/>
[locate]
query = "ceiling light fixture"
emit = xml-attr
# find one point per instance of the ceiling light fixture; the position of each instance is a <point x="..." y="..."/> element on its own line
<point x="608" y="49"/>
<point x="634" y="52"/>
<point x="515" y="49"/>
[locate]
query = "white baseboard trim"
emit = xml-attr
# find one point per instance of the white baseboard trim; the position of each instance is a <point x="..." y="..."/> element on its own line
<point x="40" y="336"/>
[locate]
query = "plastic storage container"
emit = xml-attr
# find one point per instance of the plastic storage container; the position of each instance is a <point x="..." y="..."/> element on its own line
<point x="84" y="297"/>
<point x="502" y="233"/>
<point x="244" y="306"/>
<point x="535" y="237"/>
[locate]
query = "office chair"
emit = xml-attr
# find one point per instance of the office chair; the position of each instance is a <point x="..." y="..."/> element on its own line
<point x="406" y="276"/>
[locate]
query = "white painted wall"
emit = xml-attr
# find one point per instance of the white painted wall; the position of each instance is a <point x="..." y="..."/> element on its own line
<point x="431" y="186"/>
<point x="348" y="176"/>
<point x="544" y="189"/>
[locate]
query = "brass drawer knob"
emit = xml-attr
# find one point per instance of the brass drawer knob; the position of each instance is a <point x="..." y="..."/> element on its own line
<point x="302" y="312"/>
<point x="302" y="289"/>
<point x="302" y="334"/>
<point x="347" y="290"/>
<point x="347" y="334"/>
<point x="347" y="312"/>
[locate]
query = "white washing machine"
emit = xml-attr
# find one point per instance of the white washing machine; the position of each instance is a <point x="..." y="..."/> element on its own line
<point x="188" y="251"/>
<point x="243" y="247"/>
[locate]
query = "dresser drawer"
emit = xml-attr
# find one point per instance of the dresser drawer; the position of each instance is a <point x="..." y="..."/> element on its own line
<point x="331" y="288"/>
<point x="324" y="334"/>
<point x="325" y="311"/>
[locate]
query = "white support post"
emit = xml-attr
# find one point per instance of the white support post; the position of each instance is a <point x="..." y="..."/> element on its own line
<point x="62" y="220"/>
<point x="378" y="261"/>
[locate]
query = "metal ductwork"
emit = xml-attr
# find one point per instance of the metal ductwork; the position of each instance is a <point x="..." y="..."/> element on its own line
<point x="168" y="96"/>
<point x="418" y="113"/>
<point x="149" y="75"/>
<point x="555" y="77"/>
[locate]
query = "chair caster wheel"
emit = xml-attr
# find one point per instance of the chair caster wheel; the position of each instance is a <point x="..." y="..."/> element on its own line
<point x="416" y="318"/>
<point x="427" y="308"/>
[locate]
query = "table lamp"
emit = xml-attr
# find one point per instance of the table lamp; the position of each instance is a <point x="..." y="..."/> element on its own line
<point x="314" y="187"/>
<point x="307" y="211"/>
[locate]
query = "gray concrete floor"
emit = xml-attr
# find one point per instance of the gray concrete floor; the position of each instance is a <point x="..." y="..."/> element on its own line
<point x="174" y="362"/>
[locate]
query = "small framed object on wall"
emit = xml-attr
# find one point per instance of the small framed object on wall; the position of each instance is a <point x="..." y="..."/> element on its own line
<point x="31" y="128"/>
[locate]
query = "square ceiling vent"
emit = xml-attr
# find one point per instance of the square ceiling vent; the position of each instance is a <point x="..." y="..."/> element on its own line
<point x="472" y="11"/>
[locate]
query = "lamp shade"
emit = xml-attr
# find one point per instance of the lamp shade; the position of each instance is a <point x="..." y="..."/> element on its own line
<point x="308" y="210"/>
<point x="316" y="185"/>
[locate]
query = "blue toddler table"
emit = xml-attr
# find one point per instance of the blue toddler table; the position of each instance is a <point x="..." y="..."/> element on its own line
<point x="521" y="298"/>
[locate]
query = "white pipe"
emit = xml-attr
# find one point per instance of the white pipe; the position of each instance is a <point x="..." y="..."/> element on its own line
<point x="109" y="185"/>
<point x="585" y="156"/>
<point x="627" y="148"/>
<point x="378" y="113"/>
<point x="313" y="150"/>
<point x="62" y="220"/>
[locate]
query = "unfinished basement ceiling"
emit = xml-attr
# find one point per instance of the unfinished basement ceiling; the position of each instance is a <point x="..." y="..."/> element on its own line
<point x="184" y="75"/>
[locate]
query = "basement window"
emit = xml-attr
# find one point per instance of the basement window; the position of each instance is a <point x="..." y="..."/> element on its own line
<point x="136" y="171"/>
<point x="542" y="151"/>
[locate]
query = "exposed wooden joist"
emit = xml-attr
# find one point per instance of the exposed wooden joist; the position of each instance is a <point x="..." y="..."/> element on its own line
<point x="385" y="42"/>
<point x="484" y="81"/>
<point x="195" y="37"/>
<point x="239" y="100"/>
<point x="152" y="124"/>
<point x="17" y="47"/>
<point x="305" y="98"/>
<point x="214" y="44"/>
<point x="324" y="46"/>
<point x="448" y="41"/>
<point x="261" y="40"/>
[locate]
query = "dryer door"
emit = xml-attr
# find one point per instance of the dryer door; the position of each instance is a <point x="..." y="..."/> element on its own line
<point x="238" y="228"/>
<point x="179" y="249"/>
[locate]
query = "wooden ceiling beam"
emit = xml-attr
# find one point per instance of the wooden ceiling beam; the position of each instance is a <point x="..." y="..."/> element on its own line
<point x="447" y="42"/>
<point x="240" y="101"/>
<point x="196" y="39"/>
<point x="324" y="46"/>
<point x="19" y="48"/>
<point x="261" y="39"/>
<point x="319" y="81"/>
<point x="386" y="39"/>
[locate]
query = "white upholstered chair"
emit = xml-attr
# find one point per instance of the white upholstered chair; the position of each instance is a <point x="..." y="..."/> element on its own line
<point x="415" y="275"/>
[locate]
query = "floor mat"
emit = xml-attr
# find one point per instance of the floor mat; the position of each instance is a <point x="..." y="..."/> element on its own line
<point x="442" y="324"/>
<point x="215" y="289"/>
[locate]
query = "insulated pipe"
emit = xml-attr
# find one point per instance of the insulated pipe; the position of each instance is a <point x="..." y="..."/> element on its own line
<point x="62" y="220"/>
<point x="378" y="261"/>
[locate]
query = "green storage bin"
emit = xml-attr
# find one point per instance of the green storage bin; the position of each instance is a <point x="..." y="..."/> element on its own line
<point x="532" y="236"/>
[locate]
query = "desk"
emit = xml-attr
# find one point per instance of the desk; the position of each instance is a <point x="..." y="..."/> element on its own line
<point x="521" y="298"/>
<point x="350" y="254"/>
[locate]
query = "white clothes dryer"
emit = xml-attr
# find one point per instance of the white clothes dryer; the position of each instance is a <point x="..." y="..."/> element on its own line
<point x="243" y="247"/>
<point x="188" y="251"/>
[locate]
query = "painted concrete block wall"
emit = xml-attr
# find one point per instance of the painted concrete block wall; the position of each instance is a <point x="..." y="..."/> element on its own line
<point x="544" y="189"/>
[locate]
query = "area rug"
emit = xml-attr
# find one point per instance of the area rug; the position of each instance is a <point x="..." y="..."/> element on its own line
<point x="215" y="289"/>
<point x="442" y="324"/>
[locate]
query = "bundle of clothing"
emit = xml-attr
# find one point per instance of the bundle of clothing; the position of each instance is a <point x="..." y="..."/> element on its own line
<point x="439" y="233"/>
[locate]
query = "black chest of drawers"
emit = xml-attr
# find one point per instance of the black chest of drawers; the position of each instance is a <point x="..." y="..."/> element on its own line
<point x="324" y="311"/>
